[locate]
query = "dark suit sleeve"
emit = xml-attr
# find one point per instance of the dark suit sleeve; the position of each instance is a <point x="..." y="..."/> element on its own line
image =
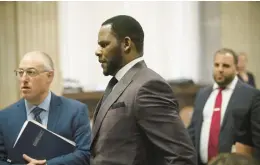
<point x="249" y="131"/>
<point x="251" y="79"/>
<point x="82" y="138"/>
<point x="255" y="124"/>
<point x="194" y="118"/>
<point x="3" y="154"/>
<point x="157" y="116"/>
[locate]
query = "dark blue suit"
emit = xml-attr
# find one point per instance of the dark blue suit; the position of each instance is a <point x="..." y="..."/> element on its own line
<point x="67" y="117"/>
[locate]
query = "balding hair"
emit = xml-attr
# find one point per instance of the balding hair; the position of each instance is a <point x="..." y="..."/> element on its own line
<point x="48" y="62"/>
<point x="229" y="51"/>
<point x="242" y="54"/>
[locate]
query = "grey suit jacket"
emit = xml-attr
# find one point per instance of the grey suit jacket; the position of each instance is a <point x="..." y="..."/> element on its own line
<point x="138" y="124"/>
<point x="238" y="106"/>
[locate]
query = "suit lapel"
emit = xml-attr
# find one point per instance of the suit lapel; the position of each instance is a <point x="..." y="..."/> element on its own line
<point x="231" y="103"/>
<point x="54" y="112"/>
<point x="96" y="110"/>
<point x="113" y="96"/>
<point x="19" y="117"/>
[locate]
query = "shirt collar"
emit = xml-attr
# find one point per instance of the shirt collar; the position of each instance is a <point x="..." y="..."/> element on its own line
<point x="44" y="105"/>
<point x="231" y="85"/>
<point x="120" y="74"/>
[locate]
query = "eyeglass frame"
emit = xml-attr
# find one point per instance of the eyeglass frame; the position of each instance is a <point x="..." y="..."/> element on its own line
<point x="26" y="72"/>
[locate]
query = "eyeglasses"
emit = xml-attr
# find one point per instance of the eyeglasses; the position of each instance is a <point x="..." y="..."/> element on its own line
<point x="31" y="72"/>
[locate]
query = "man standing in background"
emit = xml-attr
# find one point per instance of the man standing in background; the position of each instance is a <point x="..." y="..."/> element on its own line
<point x="218" y="109"/>
<point x="243" y="73"/>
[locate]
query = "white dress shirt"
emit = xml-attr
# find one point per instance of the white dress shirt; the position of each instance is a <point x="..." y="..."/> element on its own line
<point x="208" y="112"/>
<point x="120" y="74"/>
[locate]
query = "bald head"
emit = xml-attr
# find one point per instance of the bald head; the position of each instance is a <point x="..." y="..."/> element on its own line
<point x="242" y="54"/>
<point x="35" y="74"/>
<point x="41" y="58"/>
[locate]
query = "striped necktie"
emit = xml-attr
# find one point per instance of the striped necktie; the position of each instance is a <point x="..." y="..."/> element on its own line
<point x="36" y="112"/>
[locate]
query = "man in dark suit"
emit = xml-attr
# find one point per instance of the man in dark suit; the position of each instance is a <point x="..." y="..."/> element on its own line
<point x="218" y="107"/>
<point x="243" y="74"/>
<point x="63" y="116"/>
<point x="138" y="122"/>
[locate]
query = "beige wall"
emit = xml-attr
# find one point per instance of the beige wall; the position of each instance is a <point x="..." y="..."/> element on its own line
<point x="240" y="30"/>
<point x="26" y="26"/>
<point x="8" y="54"/>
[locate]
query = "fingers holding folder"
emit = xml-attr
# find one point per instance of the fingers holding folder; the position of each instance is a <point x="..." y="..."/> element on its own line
<point x="33" y="161"/>
<point x="32" y="144"/>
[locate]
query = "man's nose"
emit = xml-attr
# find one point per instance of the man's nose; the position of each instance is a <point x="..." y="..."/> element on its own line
<point x="98" y="52"/>
<point x="220" y="69"/>
<point x="24" y="77"/>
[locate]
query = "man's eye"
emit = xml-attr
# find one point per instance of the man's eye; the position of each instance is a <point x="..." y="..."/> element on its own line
<point x="31" y="72"/>
<point x="103" y="45"/>
<point x="20" y="72"/>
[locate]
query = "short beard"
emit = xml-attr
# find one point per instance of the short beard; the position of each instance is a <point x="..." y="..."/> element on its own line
<point x="226" y="82"/>
<point x="115" y="63"/>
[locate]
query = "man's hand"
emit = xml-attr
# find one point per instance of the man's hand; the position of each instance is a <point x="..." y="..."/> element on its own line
<point x="32" y="161"/>
<point x="244" y="149"/>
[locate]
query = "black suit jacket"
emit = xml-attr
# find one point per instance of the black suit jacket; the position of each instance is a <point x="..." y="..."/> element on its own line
<point x="138" y="124"/>
<point x="251" y="79"/>
<point x="248" y="131"/>
<point x="239" y="104"/>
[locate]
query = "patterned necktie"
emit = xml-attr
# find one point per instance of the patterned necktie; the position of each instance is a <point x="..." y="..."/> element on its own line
<point x="36" y="112"/>
<point x="215" y="127"/>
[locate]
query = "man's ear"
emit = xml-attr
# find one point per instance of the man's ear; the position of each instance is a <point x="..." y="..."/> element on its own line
<point x="50" y="75"/>
<point x="127" y="43"/>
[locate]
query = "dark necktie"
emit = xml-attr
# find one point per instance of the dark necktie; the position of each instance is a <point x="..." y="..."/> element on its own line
<point x="109" y="88"/>
<point x="36" y="112"/>
<point x="215" y="127"/>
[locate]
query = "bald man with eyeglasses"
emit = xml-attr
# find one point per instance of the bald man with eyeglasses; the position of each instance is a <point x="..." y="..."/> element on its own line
<point x="66" y="117"/>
